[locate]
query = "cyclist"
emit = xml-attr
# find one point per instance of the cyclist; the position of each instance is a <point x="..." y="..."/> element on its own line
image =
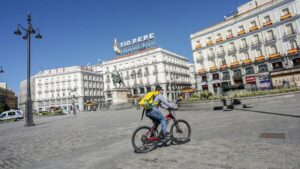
<point x="155" y="114"/>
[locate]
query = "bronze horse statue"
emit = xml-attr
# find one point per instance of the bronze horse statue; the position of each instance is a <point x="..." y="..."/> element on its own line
<point x="116" y="77"/>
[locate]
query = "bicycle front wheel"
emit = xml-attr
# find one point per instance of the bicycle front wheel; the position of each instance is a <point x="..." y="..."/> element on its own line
<point x="181" y="131"/>
<point x="140" y="139"/>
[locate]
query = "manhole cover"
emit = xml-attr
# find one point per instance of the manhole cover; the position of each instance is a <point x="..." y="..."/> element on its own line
<point x="273" y="135"/>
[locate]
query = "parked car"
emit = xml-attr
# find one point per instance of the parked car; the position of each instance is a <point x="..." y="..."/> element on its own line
<point x="11" y="114"/>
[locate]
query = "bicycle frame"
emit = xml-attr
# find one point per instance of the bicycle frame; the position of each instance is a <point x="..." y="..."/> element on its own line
<point x="169" y="117"/>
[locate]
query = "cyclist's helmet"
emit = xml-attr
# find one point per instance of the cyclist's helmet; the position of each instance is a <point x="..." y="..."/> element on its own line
<point x="158" y="88"/>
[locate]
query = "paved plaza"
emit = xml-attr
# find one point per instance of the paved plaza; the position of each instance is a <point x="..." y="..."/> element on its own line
<point x="102" y="139"/>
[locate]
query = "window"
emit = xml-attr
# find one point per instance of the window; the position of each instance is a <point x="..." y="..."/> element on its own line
<point x="258" y="52"/>
<point x="223" y="61"/>
<point x="246" y="56"/>
<point x="270" y="35"/>
<point x="231" y="46"/>
<point x="226" y="76"/>
<point x="234" y="58"/>
<point x="219" y="36"/>
<point x="267" y="19"/>
<point x="212" y="63"/>
<point x="237" y="73"/>
<point x="241" y="28"/>
<point x="285" y="11"/>
<point x="273" y="49"/>
<point x="249" y="70"/>
<point x="293" y="44"/>
<point x="256" y="39"/>
<point x="211" y="52"/>
<point x="229" y="32"/>
<point x="243" y="43"/>
<point x="11" y="113"/>
<point x="221" y="49"/>
<point x="262" y="68"/>
<point x="209" y="39"/>
<point x="199" y="54"/>
<point x="253" y="23"/>
<point x="289" y="29"/>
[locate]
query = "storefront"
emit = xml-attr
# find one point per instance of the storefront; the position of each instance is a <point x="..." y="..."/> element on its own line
<point x="264" y="82"/>
<point x="250" y="83"/>
<point x="291" y="76"/>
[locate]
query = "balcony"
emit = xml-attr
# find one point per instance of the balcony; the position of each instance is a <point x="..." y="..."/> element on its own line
<point x="229" y="36"/>
<point x="201" y="71"/>
<point x="260" y="58"/>
<point x="210" y="56"/>
<point x="241" y="33"/>
<point x="255" y="43"/>
<point x="219" y="40"/>
<point x="222" y="53"/>
<point x="198" y="46"/>
<point x="286" y="16"/>
<point x="267" y="23"/>
<point x="270" y="39"/>
<point x="289" y="34"/>
<point x="231" y="50"/>
<point x="222" y="67"/>
<point x="235" y="64"/>
<point x="209" y="43"/>
<point x="293" y="51"/>
<point x="247" y="61"/>
<point x="274" y="56"/>
<point x="253" y="28"/>
<point x="244" y="47"/>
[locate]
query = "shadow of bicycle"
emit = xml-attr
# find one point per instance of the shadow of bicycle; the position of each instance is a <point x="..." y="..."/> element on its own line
<point x="159" y="144"/>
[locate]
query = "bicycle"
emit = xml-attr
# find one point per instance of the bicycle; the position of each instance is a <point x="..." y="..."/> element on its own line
<point x="180" y="132"/>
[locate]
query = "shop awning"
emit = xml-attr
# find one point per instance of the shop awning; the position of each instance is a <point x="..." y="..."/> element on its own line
<point x="187" y="90"/>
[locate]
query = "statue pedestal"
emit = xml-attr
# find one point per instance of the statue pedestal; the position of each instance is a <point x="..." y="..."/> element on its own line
<point x="119" y="98"/>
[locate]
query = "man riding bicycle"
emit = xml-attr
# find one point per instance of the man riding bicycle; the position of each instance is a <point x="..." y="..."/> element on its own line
<point x="155" y="114"/>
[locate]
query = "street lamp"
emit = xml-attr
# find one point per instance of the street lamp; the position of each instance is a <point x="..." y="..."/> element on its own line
<point x="28" y="32"/>
<point x="73" y="101"/>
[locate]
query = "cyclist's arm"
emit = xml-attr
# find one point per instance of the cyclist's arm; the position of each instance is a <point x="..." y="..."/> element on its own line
<point x="165" y="102"/>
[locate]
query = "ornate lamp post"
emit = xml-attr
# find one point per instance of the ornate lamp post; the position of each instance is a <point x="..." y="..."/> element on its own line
<point x="28" y="32"/>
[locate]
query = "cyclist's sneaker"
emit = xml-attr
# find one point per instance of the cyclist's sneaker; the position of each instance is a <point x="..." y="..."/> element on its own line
<point x="167" y="136"/>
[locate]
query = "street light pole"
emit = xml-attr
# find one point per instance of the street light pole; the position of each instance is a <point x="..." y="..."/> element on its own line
<point x="1" y="70"/>
<point x="28" y="32"/>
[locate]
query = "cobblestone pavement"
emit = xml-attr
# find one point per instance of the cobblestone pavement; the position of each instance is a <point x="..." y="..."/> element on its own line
<point x="93" y="140"/>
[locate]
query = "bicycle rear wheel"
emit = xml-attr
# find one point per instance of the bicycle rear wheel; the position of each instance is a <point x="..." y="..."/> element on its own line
<point x="181" y="131"/>
<point x="140" y="139"/>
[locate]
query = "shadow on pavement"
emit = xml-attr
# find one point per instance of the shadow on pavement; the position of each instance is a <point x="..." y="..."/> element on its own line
<point x="265" y="112"/>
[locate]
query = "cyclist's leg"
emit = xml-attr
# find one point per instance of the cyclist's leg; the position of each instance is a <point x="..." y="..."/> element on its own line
<point x="156" y="114"/>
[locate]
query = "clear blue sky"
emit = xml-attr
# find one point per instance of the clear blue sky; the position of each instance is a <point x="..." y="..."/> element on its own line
<point x="77" y="32"/>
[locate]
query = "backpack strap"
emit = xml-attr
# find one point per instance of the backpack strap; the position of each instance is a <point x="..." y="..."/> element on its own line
<point x="143" y="114"/>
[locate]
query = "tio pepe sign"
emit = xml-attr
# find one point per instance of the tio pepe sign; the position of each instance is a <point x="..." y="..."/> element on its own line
<point x="137" y="40"/>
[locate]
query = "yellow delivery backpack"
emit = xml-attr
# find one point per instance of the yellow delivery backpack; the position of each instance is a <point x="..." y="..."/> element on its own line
<point x="147" y="101"/>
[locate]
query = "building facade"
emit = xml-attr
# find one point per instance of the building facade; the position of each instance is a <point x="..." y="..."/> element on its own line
<point x="143" y="70"/>
<point x="240" y="52"/>
<point x="67" y="88"/>
<point x="8" y="97"/>
<point x="23" y="93"/>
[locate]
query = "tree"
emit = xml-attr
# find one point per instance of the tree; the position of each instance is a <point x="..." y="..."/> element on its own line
<point x="3" y="107"/>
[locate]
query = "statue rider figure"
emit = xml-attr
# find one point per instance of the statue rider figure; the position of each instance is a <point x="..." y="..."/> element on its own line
<point x="116" y="77"/>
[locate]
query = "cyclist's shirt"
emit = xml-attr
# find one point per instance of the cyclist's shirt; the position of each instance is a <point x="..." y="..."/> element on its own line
<point x="160" y="101"/>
